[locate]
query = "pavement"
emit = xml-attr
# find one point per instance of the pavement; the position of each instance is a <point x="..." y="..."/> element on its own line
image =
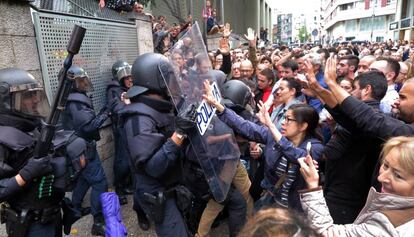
<point x="82" y="228"/>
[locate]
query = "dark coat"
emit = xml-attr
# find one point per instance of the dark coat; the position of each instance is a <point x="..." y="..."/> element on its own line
<point x="374" y="122"/>
<point x="153" y="155"/>
<point x="79" y="116"/>
<point x="351" y="157"/>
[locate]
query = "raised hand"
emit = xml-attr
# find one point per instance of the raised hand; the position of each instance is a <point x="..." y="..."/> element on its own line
<point x="227" y="31"/>
<point x="251" y="37"/>
<point x="309" y="171"/>
<point x="101" y="4"/>
<point x="263" y="114"/>
<point x="208" y="96"/>
<point x="224" y="46"/>
<point x="309" y="72"/>
<point x="330" y="70"/>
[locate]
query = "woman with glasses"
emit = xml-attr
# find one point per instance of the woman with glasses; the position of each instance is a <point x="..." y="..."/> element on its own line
<point x="296" y="138"/>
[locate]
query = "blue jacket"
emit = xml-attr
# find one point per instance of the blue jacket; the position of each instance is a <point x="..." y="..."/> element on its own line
<point x="274" y="151"/>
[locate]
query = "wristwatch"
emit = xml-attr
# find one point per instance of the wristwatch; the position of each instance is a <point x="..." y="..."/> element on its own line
<point x="180" y="136"/>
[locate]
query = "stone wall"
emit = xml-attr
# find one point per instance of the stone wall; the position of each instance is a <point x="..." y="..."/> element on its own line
<point x="17" y="39"/>
<point x="106" y="150"/>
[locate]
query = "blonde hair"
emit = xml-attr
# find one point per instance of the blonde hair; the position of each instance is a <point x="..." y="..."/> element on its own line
<point x="404" y="147"/>
<point x="277" y="222"/>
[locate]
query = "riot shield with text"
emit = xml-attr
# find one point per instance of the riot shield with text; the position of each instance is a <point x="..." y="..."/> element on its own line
<point x="214" y="143"/>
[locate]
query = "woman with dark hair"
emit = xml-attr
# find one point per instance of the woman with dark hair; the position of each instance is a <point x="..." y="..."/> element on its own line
<point x="296" y="139"/>
<point x="286" y="95"/>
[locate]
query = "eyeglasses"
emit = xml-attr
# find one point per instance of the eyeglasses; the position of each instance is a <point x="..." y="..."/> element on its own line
<point x="289" y="120"/>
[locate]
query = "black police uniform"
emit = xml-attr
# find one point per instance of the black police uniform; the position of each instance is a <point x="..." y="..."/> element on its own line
<point x="121" y="169"/>
<point x="156" y="158"/>
<point x="147" y="128"/>
<point x="34" y="208"/>
<point x="79" y="116"/>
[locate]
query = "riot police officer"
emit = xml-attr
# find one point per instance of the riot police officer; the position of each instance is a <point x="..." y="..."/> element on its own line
<point x="79" y="116"/>
<point x="154" y="144"/>
<point x="116" y="89"/>
<point x="30" y="200"/>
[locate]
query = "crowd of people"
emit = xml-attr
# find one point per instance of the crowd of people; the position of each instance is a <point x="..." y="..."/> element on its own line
<point x="311" y="141"/>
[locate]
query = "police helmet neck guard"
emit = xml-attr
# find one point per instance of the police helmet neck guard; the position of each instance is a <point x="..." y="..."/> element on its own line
<point x="21" y="94"/>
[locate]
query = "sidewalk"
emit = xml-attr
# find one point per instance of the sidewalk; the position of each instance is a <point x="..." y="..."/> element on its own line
<point x="82" y="228"/>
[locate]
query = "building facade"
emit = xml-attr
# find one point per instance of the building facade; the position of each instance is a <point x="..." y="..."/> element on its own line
<point x="241" y="14"/>
<point x="284" y="28"/>
<point x="403" y="26"/>
<point x="358" y="19"/>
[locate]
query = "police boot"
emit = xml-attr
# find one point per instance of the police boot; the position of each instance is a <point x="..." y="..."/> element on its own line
<point x="70" y="215"/>
<point x="85" y="211"/>
<point x="98" y="227"/>
<point x="143" y="221"/>
<point x="121" y="195"/>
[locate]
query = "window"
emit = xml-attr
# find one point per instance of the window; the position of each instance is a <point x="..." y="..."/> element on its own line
<point x="365" y="24"/>
<point x="345" y="7"/>
<point x="368" y="24"/>
<point x="379" y="39"/>
<point x="351" y="25"/>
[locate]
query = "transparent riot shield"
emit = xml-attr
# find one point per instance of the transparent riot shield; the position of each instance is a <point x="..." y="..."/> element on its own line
<point x="214" y="143"/>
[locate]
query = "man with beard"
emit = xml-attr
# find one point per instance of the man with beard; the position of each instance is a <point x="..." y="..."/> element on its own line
<point x="347" y="66"/>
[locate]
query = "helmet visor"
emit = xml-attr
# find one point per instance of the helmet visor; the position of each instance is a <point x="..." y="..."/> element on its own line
<point x="31" y="102"/>
<point x="124" y="71"/>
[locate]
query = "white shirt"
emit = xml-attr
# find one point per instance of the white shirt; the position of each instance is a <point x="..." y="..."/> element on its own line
<point x="390" y="97"/>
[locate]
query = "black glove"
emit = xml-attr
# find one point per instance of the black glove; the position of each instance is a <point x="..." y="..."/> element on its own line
<point x="186" y="120"/>
<point x="35" y="168"/>
<point x="105" y="110"/>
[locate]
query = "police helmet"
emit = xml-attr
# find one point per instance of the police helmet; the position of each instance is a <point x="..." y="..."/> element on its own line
<point x="121" y="69"/>
<point x="82" y="81"/>
<point x="151" y="72"/>
<point x="219" y="76"/>
<point x="236" y="94"/>
<point x="21" y="94"/>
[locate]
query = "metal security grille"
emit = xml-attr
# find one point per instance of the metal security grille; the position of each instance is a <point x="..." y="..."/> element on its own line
<point x="104" y="43"/>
